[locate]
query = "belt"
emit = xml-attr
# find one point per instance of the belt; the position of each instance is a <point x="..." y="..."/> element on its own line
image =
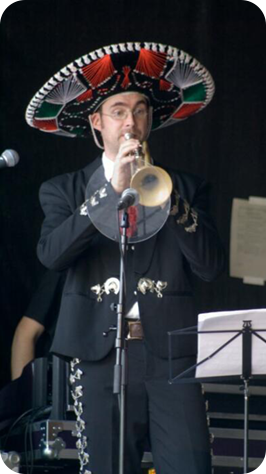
<point x="135" y="330"/>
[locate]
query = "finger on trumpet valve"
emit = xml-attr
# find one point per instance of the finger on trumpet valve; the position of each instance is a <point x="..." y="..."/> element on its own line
<point x="138" y="151"/>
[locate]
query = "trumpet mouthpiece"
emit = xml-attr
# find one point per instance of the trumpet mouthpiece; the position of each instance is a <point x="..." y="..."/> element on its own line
<point x="129" y="135"/>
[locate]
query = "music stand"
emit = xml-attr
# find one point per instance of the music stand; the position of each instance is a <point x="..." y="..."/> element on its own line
<point x="246" y="370"/>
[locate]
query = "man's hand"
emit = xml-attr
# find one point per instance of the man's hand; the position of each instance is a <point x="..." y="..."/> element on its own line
<point x="123" y="163"/>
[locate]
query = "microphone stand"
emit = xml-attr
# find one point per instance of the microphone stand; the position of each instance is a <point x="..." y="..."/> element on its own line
<point x="120" y="368"/>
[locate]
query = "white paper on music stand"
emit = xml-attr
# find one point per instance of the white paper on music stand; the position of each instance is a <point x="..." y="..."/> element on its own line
<point x="247" y="240"/>
<point x="228" y="361"/>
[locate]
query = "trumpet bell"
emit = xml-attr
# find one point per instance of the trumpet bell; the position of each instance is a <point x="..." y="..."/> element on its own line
<point x="153" y="184"/>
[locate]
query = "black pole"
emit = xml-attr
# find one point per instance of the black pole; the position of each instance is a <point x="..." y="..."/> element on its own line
<point x="246" y="425"/>
<point x="246" y="375"/>
<point x="120" y="369"/>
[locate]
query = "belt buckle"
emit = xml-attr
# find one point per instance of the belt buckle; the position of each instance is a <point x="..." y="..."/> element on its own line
<point x="130" y="327"/>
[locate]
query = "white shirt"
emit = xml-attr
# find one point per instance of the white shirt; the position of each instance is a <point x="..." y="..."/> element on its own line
<point x="108" y="166"/>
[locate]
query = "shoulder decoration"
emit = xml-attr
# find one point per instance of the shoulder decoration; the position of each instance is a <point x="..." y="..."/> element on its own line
<point x="184" y="214"/>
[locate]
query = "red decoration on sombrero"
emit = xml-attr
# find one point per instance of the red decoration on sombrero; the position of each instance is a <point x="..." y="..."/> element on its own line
<point x="186" y="110"/>
<point x="87" y="95"/>
<point x="151" y="63"/>
<point x="165" y="85"/>
<point x="126" y="81"/>
<point x="98" y="71"/>
<point x="46" y="125"/>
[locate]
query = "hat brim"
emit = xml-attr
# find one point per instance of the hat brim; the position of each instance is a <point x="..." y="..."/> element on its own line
<point x="176" y="84"/>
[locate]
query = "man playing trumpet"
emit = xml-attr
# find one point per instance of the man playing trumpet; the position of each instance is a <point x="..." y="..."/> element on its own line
<point x="128" y="88"/>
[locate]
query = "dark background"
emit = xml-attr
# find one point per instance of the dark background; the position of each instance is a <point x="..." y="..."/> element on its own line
<point x="225" y="143"/>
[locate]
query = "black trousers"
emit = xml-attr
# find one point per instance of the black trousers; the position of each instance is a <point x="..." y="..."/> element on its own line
<point x="168" y="419"/>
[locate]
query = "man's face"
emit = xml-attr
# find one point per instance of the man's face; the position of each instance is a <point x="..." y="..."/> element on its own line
<point x="120" y="114"/>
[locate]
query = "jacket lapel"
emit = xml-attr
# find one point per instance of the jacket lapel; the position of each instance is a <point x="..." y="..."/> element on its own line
<point x="91" y="168"/>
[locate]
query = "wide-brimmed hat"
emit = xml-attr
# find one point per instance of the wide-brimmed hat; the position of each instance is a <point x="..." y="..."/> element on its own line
<point x="175" y="83"/>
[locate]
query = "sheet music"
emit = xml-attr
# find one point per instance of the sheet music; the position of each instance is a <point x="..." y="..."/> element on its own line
<point x="247" y="242"/>
<point x="228" y="362"/>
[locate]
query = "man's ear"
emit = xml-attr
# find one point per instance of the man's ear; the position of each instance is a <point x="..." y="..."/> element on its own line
<point x="96" y="121"/>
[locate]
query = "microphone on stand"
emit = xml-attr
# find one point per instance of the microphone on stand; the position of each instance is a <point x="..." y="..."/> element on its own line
<point x="9" y="158"/>
<point x="129" y="198"/>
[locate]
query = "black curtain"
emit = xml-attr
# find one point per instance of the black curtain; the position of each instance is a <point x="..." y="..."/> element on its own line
<point x="225" y="143"/>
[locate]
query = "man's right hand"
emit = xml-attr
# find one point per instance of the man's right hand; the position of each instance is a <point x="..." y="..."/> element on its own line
<point x="122" y="169"/>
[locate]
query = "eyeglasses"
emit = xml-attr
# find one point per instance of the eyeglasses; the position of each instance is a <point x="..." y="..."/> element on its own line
<point x="122" y="114"/>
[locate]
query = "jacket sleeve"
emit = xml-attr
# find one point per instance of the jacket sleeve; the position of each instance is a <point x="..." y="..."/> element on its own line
<point x="68" y="230"/>
<point x="65" y="233"/>
<point x="197" y="235"/>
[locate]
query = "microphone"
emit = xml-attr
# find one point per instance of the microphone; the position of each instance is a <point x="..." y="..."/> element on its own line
<point x="9" y="158"/>
<point x="129" y="197"/>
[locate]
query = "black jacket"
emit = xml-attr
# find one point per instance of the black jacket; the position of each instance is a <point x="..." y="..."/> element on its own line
<point x="70" y="241"/>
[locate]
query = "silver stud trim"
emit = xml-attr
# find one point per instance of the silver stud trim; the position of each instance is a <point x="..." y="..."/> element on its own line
<point x="112" y="285"/>
<point x="77" y="394"/>
<point x="146" y="284"/>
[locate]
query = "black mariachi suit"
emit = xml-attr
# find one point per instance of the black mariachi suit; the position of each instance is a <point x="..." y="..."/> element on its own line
<point x="70" y="241"/>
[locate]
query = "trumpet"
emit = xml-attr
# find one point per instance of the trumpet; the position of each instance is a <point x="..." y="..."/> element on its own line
<point x="152" y="183"/>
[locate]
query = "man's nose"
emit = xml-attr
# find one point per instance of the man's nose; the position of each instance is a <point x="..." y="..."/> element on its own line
<point x="130" y="119"/>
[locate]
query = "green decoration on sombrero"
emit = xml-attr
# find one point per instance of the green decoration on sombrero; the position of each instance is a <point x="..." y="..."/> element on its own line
<point x="176" y="85"/>
<point x="194" y="93"/>
<point x="47" y="110"/>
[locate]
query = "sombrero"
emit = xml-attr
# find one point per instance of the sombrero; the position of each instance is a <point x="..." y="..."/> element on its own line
<point x="176" y="84"/>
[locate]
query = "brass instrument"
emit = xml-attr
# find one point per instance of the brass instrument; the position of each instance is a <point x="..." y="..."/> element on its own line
<point x="154" y="187"/>
<point x="152" y="183"/>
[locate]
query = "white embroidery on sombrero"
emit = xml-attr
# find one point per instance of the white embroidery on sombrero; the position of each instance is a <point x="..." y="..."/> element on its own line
<point x="107" y="49"/>
<point x="182" y="75"/>
<point x="100" y="53"/>
<point x="80" y="62"/>
<point x="122" y="47"/>
<point x="59" y="77"/>
<point x="114" y="48"/>
<point x="51" y="82"/>
<point x="66" y="91"/>
<point x="72" y="67"/>
<point x="65" y="71"/>
<point x="86" y="59"/>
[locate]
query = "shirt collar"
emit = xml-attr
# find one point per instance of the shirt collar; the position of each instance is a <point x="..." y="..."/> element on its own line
<point x="108" y="166"/>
